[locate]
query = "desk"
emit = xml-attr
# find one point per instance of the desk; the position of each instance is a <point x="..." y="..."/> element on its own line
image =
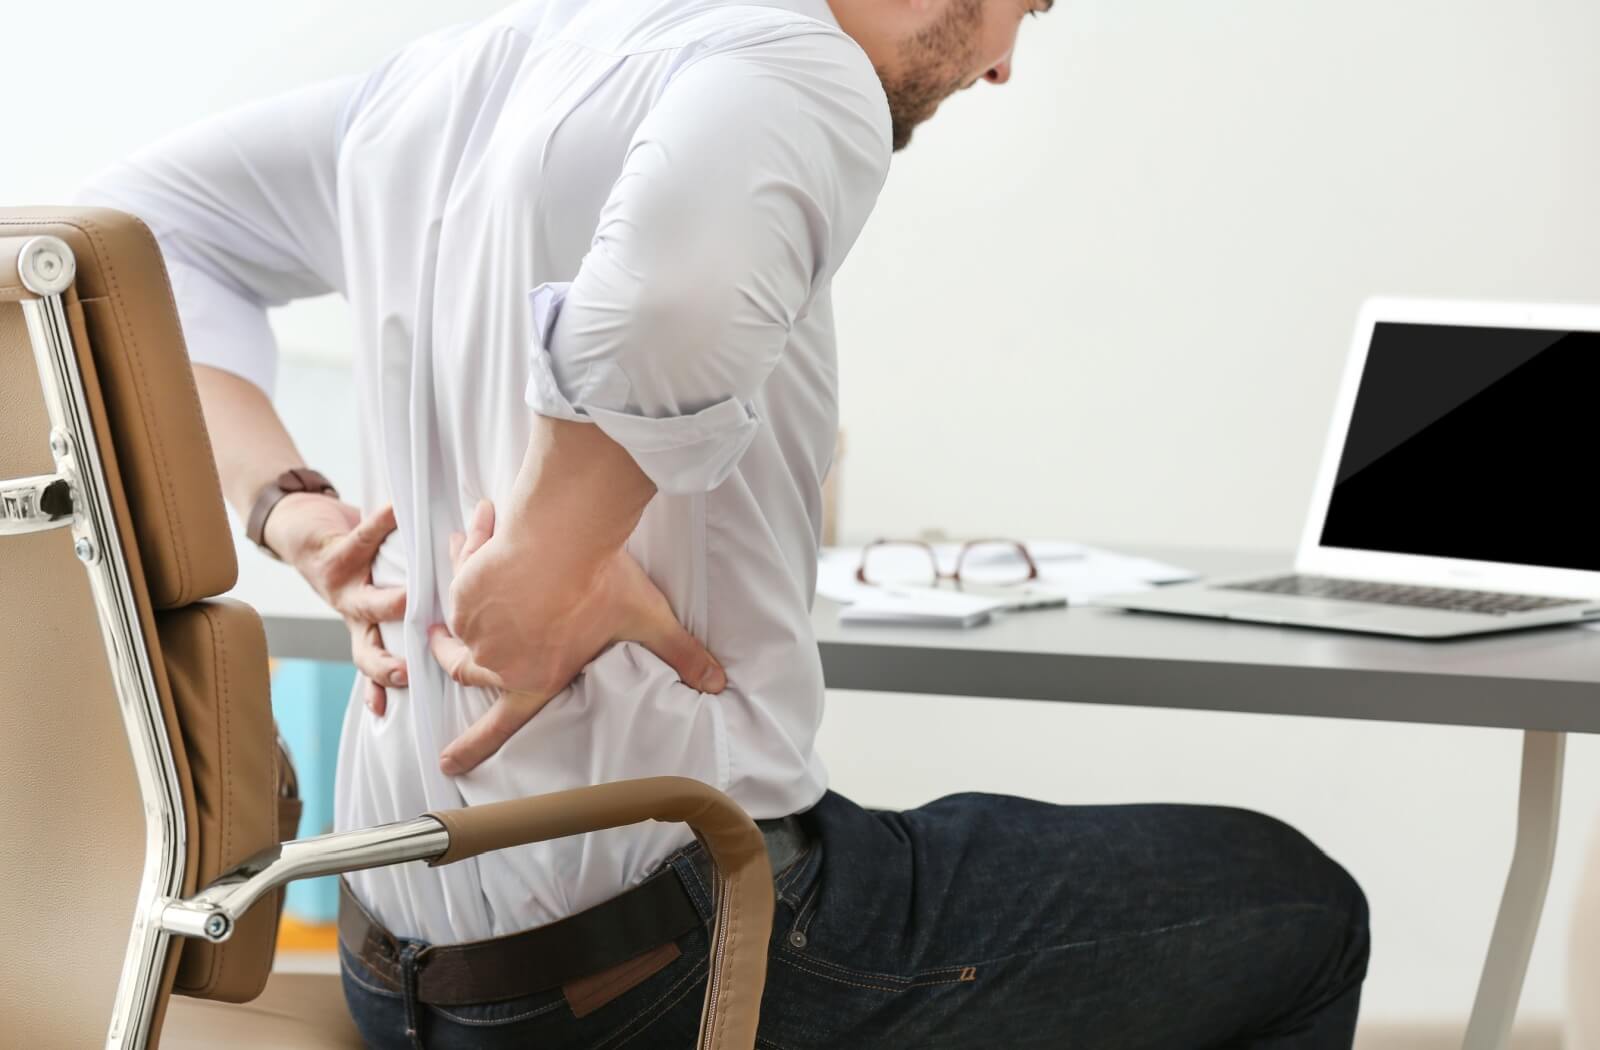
<point x="1545" y="683"/>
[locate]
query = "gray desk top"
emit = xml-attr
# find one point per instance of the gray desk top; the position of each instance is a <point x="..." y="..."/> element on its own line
<point x="1541" y="679"/>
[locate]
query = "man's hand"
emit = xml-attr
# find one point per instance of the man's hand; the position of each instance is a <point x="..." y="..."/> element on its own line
<point x="525" y="623"/>
<point x="333" y="548"/>
<point x="323" y="538"/>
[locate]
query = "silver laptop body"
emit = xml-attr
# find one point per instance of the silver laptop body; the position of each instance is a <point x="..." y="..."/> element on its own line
<point x="1456" y="485"/>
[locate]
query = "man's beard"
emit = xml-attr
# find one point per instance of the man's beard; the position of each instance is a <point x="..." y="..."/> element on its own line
<point x="934" y="64"/>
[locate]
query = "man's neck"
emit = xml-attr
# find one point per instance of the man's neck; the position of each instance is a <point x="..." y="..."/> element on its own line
<point x="866" y="27"/>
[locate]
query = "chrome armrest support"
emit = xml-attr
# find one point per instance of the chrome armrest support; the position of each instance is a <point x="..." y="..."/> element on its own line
<point x="212" y="913"/>
<point x="35" y="504"/>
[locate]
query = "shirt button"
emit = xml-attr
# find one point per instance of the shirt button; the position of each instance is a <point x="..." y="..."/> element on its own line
<point x="797" y="939"/>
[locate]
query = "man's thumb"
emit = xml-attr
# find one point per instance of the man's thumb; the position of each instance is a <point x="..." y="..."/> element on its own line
<point x="653" y="625"/>
<point x="694" y="663"/>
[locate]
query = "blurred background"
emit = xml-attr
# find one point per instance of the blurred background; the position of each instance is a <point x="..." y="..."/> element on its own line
<point x="1109" y="302"/>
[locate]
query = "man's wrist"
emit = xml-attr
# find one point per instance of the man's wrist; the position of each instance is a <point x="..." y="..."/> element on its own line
<point x="295" y="482"/>
<point x="578" y="492"/>
<point x="569" y="557"/>
<point x="286" y="536"/>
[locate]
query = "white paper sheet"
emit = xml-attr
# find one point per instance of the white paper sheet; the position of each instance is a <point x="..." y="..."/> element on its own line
<point x="921" y="605"/>
<point x="1076" y="571"/>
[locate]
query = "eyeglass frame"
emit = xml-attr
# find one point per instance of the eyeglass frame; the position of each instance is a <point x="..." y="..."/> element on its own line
<point x="933" y="559"/>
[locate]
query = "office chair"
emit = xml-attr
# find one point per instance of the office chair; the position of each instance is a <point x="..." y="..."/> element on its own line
<point x="138" y="781"/>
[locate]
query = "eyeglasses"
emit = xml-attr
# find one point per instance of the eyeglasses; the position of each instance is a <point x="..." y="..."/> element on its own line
<point x="917" y="563"/>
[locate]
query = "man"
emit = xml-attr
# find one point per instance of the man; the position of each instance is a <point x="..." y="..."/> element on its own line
<point x="589" y="248"/>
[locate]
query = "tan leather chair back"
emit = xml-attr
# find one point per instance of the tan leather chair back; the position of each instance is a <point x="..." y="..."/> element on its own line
<point x="71" y="812"/>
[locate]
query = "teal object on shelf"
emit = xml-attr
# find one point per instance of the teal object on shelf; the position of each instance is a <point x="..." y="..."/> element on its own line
<point x="309" y="700"/>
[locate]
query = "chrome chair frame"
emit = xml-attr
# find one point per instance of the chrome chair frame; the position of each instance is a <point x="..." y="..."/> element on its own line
<point x="46" y="267"/>
<point x="75" y="497"/>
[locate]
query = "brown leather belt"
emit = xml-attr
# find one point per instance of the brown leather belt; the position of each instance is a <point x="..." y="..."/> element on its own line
<point x="647" y="918"/>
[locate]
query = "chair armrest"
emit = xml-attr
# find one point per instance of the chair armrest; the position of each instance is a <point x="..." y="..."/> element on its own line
<point x="744" y="893"/>
<point x="743" y="890"/>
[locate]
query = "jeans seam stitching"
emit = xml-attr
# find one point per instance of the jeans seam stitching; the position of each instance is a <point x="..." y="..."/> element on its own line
<point x="802" y="918"/>
<point x="793" y="960"/>
<point x="944" y="980"/>
<point x="921" y="977"/>
<point x="487" y="1023"/>
<point x="387" y="993"/>
<point x="791" y="874"/>
<point x="819" y="967"/>
<point x="1070" y="945"/>
<point x="917" y="979"/>
<point x="767" y="1044"/>
<point x="892" y="984"/>
<point x="646" y="1026"/>
<point x="614" y="1040"/>
<point x="705" y="893"/>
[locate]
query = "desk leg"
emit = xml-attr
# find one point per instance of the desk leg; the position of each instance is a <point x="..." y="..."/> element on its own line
<point x="1538" y="811"/>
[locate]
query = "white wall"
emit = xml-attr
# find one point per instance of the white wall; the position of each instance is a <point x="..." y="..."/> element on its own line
<point x="1108" y="301"/>
<point x="1138" y="263"/>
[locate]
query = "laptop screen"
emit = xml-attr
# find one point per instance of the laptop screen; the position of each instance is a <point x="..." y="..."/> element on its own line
<point x="1473" y="443"/>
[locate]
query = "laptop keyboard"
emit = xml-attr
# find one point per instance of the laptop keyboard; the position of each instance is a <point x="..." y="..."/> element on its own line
<point x="1491" y="603"/>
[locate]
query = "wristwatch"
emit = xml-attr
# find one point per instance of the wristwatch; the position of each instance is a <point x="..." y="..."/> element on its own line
<point x="299" y="479"/>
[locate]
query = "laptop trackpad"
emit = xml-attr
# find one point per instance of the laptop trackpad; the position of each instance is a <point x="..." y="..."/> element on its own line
<point x="1295" y="610"/>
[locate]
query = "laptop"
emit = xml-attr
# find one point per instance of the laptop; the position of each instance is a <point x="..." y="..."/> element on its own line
<point x="1457" y="493"/>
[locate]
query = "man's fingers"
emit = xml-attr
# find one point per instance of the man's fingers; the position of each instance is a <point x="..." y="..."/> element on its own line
<point x="373" y="604"/>
<point x="376" y="699"/>
<point x="355" y="551"/>
<point x="378" y="666"/>
<point x="457" y="541"/>
<point x="488" y="734"/>
<point x="373" y="660"/>
<point x="683" y="652"/>
<point x="370" y="533"/>
<point x="456" y="659"/>
<point x="479" y="529"/>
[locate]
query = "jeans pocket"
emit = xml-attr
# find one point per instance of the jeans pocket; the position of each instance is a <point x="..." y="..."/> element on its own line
<point x="506" y="1012"/>
<point x="666" y="1005"/>
<point x="357" y="974"/>
<point x="801" y="937"/>
<point x="794" y="880"/>
<point x="662" y="1010"/>
<point x="661" y="1004"/>
<point x="798" y="886"/>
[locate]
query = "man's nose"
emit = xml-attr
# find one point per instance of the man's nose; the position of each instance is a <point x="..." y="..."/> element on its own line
<point x="1000" y="72"/>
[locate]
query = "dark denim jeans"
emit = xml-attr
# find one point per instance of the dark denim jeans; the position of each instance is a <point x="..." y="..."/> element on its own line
<point x="980" y="922"/>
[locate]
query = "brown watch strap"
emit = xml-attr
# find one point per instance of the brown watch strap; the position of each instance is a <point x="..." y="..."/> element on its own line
<point x="299" y="479"/>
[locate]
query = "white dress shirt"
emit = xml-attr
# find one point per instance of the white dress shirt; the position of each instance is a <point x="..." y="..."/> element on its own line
<point x="621" y="211"/>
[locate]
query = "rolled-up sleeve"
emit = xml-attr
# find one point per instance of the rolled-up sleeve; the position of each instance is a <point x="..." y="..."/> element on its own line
<point x="742" y="191"/>
<point x="244" y="207"/>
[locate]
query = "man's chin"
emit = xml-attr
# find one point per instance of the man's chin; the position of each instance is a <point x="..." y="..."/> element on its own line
<point x="903" y="127"/>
